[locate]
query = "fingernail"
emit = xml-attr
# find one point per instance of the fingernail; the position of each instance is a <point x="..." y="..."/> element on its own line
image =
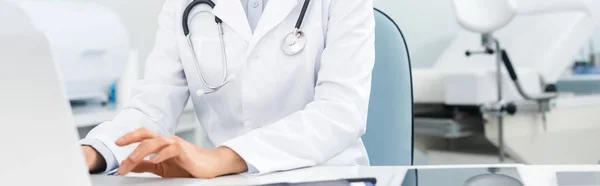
<point x="122" y="170"/>
<point x="120" y="141"/>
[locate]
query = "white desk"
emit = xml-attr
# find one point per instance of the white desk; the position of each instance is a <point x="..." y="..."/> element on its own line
<point x="530" y="175"/>
<point x="384" y="175"/>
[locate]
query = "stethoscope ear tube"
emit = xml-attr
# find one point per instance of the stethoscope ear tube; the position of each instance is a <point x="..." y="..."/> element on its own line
<point x="302" y="14"/>
<point x="188" y="9"/>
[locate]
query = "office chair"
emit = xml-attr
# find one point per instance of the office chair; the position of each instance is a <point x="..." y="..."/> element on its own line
<point x="389" y="137"/>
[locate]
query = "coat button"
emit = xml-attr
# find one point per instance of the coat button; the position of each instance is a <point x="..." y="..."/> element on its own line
<point x="254" y="3"/>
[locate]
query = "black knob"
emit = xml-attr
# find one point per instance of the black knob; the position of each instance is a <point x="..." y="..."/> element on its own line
<point x="550" y="88"/>
<point x="510" y="108"/>
<point x="486" y="51"/>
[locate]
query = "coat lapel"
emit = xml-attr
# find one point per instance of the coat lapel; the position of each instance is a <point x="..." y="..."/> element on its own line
<point x="232" y="14"/>
<point x="275" y="13"/>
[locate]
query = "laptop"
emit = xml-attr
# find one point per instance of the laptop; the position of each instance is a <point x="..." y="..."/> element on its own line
<point x="38" y="138"/>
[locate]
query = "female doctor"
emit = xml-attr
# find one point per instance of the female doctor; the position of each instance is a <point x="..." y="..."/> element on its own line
<point x="276" y="84"/>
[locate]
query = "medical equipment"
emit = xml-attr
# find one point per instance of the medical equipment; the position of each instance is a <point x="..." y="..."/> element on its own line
<point x="516" y="102"/>
<point x="493" y="178"/>
<point x="90" y="47"/>
<point x="293" y="44"/>
<point x="464" y="176"/>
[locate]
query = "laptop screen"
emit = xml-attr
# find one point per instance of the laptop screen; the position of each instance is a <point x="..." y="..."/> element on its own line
<point x="462" y="177"/>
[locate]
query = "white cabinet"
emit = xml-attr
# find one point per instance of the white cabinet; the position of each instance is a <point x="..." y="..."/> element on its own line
<point x="88" y="117"/>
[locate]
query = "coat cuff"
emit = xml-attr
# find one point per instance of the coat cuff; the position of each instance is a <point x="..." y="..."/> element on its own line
<point x="104" y="151"/>
<point x="247" y="153"/>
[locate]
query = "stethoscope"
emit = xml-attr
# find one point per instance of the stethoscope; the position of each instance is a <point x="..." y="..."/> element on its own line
<point x="292" y="44"/>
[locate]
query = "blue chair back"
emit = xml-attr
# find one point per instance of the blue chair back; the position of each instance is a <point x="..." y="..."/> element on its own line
<point x="389" y="137"/>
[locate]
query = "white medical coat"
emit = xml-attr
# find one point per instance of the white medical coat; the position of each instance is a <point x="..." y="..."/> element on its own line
<point x="281" y="112"/>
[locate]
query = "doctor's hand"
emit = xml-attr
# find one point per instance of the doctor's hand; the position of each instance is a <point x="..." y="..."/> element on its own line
<point x="174" y="157"/>
<point x="95" y="162"/>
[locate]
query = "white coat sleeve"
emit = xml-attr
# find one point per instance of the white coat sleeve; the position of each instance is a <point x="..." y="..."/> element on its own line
<point x="157" y="101"/>
<point x="336" y="118"/>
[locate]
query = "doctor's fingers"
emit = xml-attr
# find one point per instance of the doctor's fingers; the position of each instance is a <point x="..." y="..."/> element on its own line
<point x="167" y="153"/>
<point x="147" y="147"/>
<point x="150" y="146"/>
<point x="138" y="135"/>
<point x="147" y="166"/>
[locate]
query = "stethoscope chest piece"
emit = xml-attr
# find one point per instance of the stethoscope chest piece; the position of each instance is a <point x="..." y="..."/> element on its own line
<point x="294" y="43"/>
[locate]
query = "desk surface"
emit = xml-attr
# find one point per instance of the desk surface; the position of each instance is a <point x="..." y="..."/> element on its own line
<point x="383" y="175"/>
<point x="531" y="176"/>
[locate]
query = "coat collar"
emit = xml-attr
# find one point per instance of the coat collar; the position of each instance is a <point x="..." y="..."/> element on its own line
<point x="275" y="13"/>
<point x="232" y="14"/>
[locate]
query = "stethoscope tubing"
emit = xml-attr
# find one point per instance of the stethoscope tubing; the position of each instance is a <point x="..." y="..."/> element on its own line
<point x="302" y="14"/>
<point x="219" y="22"/>
<point x="188" y="10"/>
